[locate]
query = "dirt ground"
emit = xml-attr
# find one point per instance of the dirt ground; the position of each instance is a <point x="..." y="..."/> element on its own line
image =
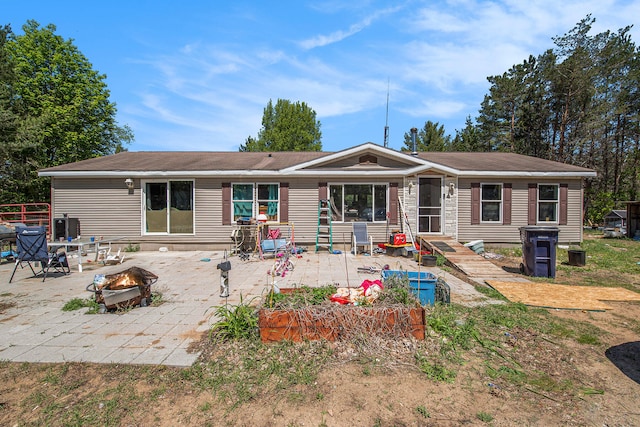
<point x="588" y="385"/>
<point x="595" y="385"/>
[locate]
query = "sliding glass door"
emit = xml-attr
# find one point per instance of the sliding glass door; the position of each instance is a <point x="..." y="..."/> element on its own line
<point x="169" y="207"/>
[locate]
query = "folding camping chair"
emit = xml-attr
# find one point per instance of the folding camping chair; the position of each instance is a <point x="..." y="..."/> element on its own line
<point x="31" y="244"/>
<point x="360" y="237"/>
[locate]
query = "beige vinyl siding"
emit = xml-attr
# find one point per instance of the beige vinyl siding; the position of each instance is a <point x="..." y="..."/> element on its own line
<point x="103" y="206"/>
<point x="208" y="210"/>
<point x="303" y="209"/>
<point x="498" y="233"/>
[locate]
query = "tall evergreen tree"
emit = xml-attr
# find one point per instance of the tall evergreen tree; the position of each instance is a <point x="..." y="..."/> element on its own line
<point x="430" y="138"/>
<point x="469" y="138"/>
<point x="577" y="103"/>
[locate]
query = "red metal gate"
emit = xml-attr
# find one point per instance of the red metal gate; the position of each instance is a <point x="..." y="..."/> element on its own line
<point x="30" y="214"/>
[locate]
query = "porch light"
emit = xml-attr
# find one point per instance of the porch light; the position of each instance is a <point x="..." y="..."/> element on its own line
<point x="452" y="187"/>
<point x="129" y="183"/>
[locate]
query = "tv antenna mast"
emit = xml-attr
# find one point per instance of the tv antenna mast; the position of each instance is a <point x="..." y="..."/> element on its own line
<point x="386" y="123"/>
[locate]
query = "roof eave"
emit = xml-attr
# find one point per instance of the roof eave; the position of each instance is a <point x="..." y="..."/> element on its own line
<point x="287" y="172"/>
<point x="540" y="174"/>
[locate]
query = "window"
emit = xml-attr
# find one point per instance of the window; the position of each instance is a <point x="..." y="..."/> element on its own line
<point x="169" y="207"/>
<point x="250" y="200"/>
<point x="548" y="203"/>
<point x="491" y="201"/>
<point x="358" y="202"/>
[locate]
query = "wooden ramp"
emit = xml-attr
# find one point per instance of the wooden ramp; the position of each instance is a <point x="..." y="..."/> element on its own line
<point x="463" y="258"/>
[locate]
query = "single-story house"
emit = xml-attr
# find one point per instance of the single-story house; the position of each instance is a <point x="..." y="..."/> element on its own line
<point x="188" y="200"/>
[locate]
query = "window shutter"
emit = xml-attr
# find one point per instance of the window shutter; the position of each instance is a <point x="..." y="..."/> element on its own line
<point x="564" y="193"/>
<point x="475" y="203"/>
<point x="284" y="202"/>
<point x="506" y="204"/>
<point x="532" y="216"/>
<point x="226" y="203"/>
<point x="393" y="203"/>
<point x="322" y="191"/>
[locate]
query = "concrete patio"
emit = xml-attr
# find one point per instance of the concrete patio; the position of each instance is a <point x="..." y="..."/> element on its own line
<point x="34" y="328"/>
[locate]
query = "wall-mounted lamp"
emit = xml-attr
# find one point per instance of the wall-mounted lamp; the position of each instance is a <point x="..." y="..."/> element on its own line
<point x="411" y="185"/>
<point x="452" y="187"/>
<point x="129" y="183"/>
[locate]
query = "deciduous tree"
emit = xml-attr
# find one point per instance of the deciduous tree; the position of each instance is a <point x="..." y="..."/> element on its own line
<point x="287" y="126"/>
<point x="63" y="111"/>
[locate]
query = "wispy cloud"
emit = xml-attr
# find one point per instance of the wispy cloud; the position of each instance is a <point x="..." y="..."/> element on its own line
<point x="337" y="36"/>
<point x="437" y="59"/>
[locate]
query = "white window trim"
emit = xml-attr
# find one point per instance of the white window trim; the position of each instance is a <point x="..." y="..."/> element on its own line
<point x="372" y="184"/>
<point x="255" y="202"/>
<point x="500" y="202"/>
<point x="143" y="193"/>
<point x="557" y="204"/>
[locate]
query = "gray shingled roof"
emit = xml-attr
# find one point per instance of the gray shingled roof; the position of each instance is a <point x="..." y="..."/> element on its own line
<point x="204" y="161"/>
<point x="147" y="161"/>
<point x="496" y="161"/>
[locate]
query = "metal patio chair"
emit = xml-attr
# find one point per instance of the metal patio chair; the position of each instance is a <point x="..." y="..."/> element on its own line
<point x="360" y="237"/>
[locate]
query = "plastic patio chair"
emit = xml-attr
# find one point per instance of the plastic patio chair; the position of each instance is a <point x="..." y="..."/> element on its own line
<point x="116" y="258"/>
<point x="273" y="246"/>
<point x="31" y="244"/>
<point x="360" y="237"/>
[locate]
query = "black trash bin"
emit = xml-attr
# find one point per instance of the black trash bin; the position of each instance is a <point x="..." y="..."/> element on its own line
<point x="577" y="258"/>
<point x="539" y="250"/>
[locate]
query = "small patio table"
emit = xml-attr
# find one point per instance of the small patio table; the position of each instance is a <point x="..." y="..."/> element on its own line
<point x="79" y="245"/>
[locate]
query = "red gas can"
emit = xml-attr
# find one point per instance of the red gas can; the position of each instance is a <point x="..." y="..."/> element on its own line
<point x="399" y="239"/>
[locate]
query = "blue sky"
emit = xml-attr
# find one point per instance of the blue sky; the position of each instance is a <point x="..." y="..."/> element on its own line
<point x="196" y="75"/>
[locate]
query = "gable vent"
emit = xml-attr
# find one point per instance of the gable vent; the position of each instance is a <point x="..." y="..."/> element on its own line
<point x="368" y="159"/>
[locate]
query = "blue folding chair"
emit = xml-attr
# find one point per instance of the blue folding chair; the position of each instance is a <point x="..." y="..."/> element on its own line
<point x="31" y="244"/>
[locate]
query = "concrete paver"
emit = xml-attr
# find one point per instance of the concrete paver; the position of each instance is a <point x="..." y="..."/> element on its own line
<point x="33" y="327"/>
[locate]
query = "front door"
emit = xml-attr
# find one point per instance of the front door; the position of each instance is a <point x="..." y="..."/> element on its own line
<point x="430" y="205"/>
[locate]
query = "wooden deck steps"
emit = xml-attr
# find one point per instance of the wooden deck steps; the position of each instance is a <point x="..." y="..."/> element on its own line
<point x="464" y="259"/>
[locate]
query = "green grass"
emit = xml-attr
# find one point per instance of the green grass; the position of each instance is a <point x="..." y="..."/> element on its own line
<point x="484" y="417"/>
<point x="435" y="370"/>
<point x="490" y="292"/>
<point x="303" y="296"/>
<point x="251" y="369"/>
<point x="422" y="410"/>
<point x="132" y="248"/>
<point x="78" y="303"/>
<point x="617" y="259"/>
<point x="506" y="373"/>
<point x="235" y="322"/>
<point x="456" y="331"/>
